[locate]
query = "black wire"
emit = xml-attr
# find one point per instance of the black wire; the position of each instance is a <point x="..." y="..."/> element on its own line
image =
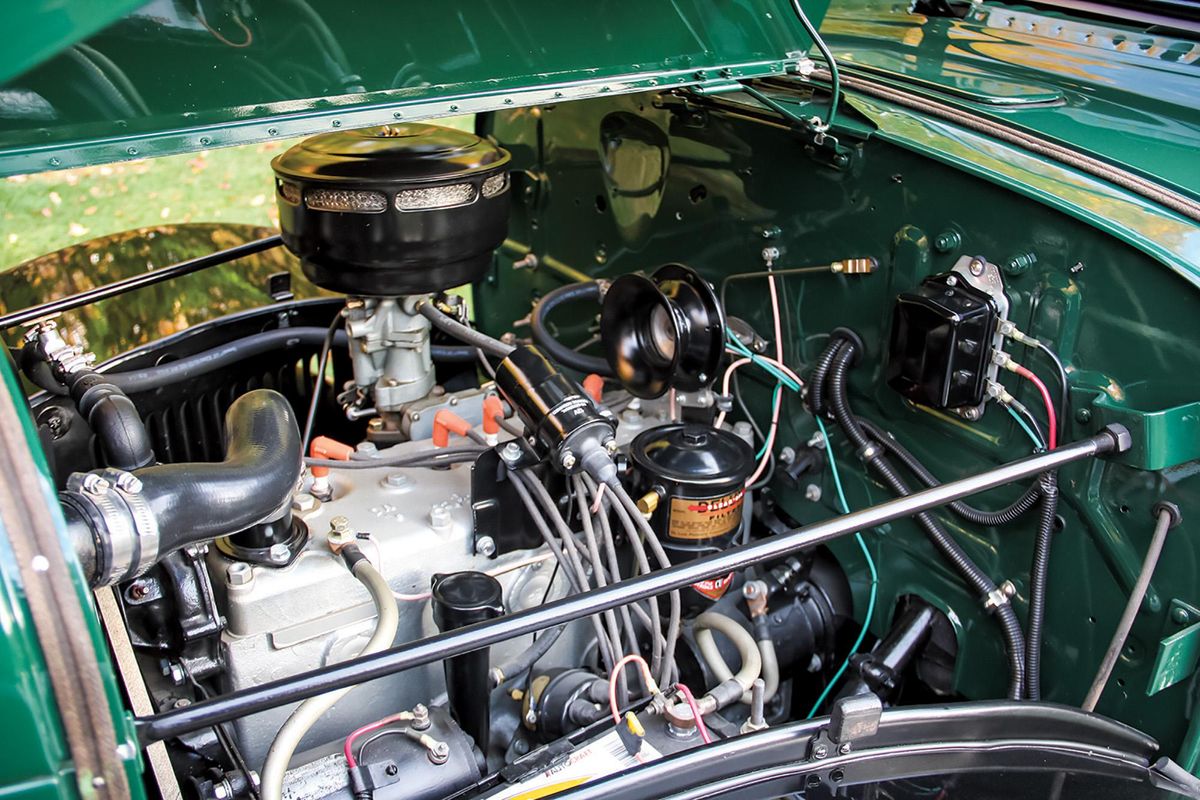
<point x="232" y="752"/>
<point x="1028" y="415"/>
<point x="545" y="597"/>
<point x="834" y="77"/>
<point x="1064" y="396"/>
<point x="319" y="382"/>
<point x="379" y="735"/>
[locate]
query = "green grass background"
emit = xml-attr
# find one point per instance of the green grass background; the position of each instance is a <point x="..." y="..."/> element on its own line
<point x="45" y="212"/>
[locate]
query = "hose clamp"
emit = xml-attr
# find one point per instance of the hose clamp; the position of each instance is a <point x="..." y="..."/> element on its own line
<point x="129" y="489"/>
<point x="121" y="537"/>
<point x="999" y="596"/>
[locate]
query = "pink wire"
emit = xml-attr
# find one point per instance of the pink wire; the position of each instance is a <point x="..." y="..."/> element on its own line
<point x="690" y="699"/>
<point x="1051" y="418"/>
<point x="766" y="457"/>
<point x="612" y="682"/>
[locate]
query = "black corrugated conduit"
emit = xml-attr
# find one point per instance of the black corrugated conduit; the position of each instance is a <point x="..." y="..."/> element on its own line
<point x="873" y="455"/>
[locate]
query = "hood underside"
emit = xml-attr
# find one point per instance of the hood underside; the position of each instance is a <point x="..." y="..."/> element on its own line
<point x="88" y="83"/>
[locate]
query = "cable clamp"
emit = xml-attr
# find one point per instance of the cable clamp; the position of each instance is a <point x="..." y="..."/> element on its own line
<point x="1000" y="596"/>
<point x="869" y="451"/>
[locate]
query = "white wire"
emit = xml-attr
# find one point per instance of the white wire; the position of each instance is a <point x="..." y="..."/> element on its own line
<point x="777" y="400"/>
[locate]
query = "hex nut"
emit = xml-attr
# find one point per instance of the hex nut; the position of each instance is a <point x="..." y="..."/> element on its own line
<point x="303" y="501"/>
<point x="239" y="574"/>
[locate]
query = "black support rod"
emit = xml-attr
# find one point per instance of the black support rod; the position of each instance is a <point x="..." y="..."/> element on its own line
<point x="139" y="281"/>
<point x="484" y="634"/>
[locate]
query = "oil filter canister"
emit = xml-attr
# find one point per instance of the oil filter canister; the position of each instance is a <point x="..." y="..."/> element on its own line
<point x="693" y="482"/>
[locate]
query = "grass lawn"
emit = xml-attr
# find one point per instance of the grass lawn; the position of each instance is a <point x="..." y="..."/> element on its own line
<point x="51" y="210"/>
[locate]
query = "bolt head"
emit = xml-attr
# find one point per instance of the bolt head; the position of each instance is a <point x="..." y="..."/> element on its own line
<point x="339" y="524"/>
<point x="820" y="751"/>
<point x="952" y="281"/>
<point x="279" y="553"/>
<point x="511" y="452"/>
<point x="128" y="482"/>
<point x="239" y="574"/>
<point x="971" y="413"/>
<point x="439" y="753"/>
<point x="303" y="501"/>
<point x="94" y="484"/>
<point x="976" y="267"/>
<point x="485" y="546"/>
<point x="398" y="480"/>
<point x="568" y="460"/>
<point x="844" y="748"/>
<point x="812" y="493"/>
<point x="611" y="447"/>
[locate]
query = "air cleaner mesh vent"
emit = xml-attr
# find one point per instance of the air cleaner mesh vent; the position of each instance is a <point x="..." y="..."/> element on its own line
<point x="355" y="202"/>
<point x="495" y="185"/>
<point x="459" y="194"/>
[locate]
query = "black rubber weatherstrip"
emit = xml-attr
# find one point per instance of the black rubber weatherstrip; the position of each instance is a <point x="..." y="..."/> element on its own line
<point x="1047" y="736"/>
<point x="484" y="634"/>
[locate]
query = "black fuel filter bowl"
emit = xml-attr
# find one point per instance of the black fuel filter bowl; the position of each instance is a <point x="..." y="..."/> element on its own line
<point x="692" y="478"/>
<point x="394" y="209"/>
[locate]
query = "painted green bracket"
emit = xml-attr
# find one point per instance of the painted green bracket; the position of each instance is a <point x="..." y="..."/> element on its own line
<point x="1111" y="542"/>
<point x="1178" y="651"/>
<point x="1161" y="439"/>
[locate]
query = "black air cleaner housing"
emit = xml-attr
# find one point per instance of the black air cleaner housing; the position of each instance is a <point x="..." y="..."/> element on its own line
<point x="393" y="210"/>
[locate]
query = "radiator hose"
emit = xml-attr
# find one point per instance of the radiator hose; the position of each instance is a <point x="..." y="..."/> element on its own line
<point x="122" y="522"/>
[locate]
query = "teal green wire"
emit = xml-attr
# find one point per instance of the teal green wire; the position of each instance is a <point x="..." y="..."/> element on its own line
<point x="1038" y="444"/>
<point x="775" y="372"/>
<point x="837" y="482"/>
<point x="774" y="404"/>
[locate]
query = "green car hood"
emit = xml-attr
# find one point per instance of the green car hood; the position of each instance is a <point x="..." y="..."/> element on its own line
<point x="84" y="82"/>
<point x="1127" y="93"/>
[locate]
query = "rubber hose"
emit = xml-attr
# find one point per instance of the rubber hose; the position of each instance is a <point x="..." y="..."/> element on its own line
<point x="456" y="330"/>
<point x="557" y="350"/>
<point x="217" y="358"/>
<point x="1166" y="520"/>
<point x="114" y="419"/>
<point x="1003" y="516"/>
<point x="37" y="371"/>
<point x="1038" y="575"/>
<point x="940" y="538"/>
<point x="308" y="712"/>
<point x="752" y="665"/>
<point x="770" y="667"/>
<point x="199" y="502"/>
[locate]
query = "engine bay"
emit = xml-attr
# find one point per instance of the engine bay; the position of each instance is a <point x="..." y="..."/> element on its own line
<point x="709" y="470"/>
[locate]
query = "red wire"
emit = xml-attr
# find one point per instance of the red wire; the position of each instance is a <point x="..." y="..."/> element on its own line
<point x="1052" y="421"/>
<point x="347" y="748"/>
<point x="690" y="699"/>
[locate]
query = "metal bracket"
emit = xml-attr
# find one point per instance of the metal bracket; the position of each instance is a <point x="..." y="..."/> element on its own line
<point x="981" y="274"/>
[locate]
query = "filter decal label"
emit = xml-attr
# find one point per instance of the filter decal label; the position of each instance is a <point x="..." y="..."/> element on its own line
<point x="714" y="588"/>
<point x="705" y="519"/>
